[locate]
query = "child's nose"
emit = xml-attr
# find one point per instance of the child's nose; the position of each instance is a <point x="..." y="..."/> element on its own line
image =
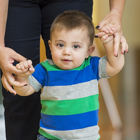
<point x="66" y="51"/>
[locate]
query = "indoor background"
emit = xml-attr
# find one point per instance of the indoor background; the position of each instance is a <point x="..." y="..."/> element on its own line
<point x="119" y="114"/>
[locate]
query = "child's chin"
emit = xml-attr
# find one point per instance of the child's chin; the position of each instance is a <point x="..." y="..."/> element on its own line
<point x="66" y="68"/>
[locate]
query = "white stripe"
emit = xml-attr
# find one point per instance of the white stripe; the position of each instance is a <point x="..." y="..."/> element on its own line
<point x="102" y="67"/>
<point x="70" y="92"/>
<point x="34" y="83"/>
<point x="50" y="61"/>
<point x="89" y="133"/>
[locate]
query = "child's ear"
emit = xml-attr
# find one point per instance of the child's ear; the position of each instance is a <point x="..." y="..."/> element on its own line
<point x="90" y="50"/>
<point x="50" y="44"/>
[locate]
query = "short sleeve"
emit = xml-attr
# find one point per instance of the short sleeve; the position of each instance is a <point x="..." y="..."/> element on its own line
<point x="102" y="67"/>
<point x="38" y="78"/>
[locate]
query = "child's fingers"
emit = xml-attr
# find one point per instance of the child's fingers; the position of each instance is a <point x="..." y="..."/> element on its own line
<point x="25" y="64"/>
<point x="103" y="38"/>
<point x="105" y="29"/>
<point x="18" y="66"/>
<point x="108" y="28"/>
<point x="29" y="63"/>
<point x="111" y="28"/>
<point x="31" y="69"/>
<point x="107" y="39"/>
<point x="30" y="66"/>
<point x="21" y="66"/>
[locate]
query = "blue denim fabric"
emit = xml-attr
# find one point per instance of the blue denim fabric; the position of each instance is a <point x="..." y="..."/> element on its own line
<point x="40" y="137"/>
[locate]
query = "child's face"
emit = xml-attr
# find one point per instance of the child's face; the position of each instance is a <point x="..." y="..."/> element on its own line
<point x="69" y="48"/>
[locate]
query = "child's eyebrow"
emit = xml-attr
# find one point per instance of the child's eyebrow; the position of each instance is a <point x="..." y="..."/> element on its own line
<point x="78" y="42"/>
<point x="59" y="40"/>
<point x="75" y="42"/>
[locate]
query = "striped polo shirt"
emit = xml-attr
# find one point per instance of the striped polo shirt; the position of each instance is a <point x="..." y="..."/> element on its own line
<point x="69" y="99"/>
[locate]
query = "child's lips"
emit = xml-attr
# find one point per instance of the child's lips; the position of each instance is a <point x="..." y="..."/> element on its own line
<point x="66" y="60"/>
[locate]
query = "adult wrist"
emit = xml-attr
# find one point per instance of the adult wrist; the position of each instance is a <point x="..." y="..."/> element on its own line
<point x="116" y="11"/>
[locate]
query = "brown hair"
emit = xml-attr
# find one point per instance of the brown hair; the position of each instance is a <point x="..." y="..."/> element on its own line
<point x="73" y="19"/>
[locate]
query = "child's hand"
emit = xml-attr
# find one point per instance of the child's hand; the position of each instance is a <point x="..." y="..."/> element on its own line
<point x="105" y="38"/>
<point x="108" y="29"/>
<point x="106" y="35"/>
<point x="25" y="67"/>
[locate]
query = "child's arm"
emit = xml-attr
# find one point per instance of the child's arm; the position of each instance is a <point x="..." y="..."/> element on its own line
<point x="27" y="69"/>
<point x="114" y="64"/>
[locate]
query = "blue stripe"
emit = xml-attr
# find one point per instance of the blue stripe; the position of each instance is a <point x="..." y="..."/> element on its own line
<point x="67" y="77"/>
<point x="40" y="74"/>
<point x="64" y="78"/>
<point x="70" y="122"/>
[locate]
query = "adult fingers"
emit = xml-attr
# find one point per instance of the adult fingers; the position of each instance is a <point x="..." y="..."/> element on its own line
<point x="124" y="45"/>
<point x="3" y="79"/>
<point x="12" y="69"/>
<point x="100" y="34"/>
<point x="101" y="24"/>
<point x="117" y="38"/>
<point x="11" y="80"/>
<point x="17" y="56"/>
<point x="7" y="86"/>
<point x="127" y="48"/>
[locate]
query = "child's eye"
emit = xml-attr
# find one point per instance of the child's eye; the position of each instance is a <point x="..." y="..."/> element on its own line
<point x="60" y="45"/>
<point x="76" y="46"/>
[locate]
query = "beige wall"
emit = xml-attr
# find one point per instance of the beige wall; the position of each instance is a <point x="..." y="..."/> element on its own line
<point x="130" y="22"/>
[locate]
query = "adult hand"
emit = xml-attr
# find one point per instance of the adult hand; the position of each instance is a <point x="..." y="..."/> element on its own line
<point x="7" y="58"/>
<point x="115" y="18"/>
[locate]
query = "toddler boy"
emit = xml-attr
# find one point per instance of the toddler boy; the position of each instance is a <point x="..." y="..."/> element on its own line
<point x="70" y="80"/>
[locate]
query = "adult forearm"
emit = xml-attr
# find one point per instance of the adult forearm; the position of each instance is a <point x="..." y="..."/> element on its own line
<point x="3" y="19"/>
<point x="117" y="5"/>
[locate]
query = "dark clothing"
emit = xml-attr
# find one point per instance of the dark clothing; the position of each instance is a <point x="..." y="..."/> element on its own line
<point x="27" y="20"/>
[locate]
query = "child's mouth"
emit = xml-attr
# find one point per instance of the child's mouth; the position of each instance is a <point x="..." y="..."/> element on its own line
<point x="66" y="60"/>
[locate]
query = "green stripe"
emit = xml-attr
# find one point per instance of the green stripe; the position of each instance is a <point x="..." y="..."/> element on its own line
<point x="70" y="107"/>
<point x="46" y="135"/>
<point x="47" y="65"/>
